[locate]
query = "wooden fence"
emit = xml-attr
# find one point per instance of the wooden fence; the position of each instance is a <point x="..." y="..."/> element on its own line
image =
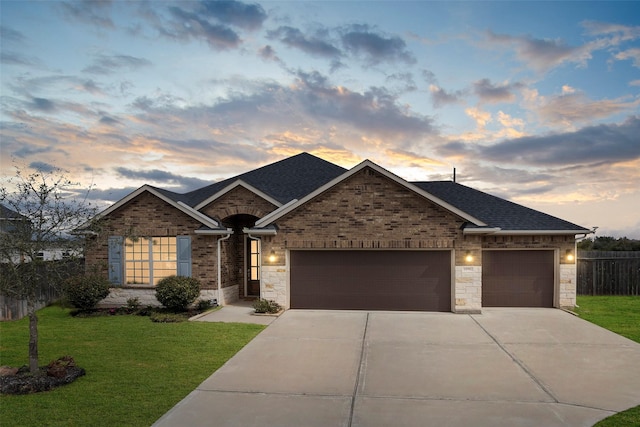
<point x="608" y="273"/>
<point x="15" y="309"/>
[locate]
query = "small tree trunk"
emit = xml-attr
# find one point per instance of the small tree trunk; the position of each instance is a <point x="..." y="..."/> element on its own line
<point x="33" y="338"/>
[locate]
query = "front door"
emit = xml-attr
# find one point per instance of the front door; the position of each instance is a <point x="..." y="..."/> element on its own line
<point x="253" y="267"/>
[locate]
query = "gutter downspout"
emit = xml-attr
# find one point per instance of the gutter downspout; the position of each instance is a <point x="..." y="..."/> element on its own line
<point x="220" y="268"/>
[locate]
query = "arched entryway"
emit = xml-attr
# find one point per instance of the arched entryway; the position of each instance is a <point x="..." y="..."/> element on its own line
<point x="241" y="257"/>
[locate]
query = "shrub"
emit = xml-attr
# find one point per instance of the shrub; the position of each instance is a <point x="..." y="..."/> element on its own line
<point x="266" y="306"/>
<point x="84" y="292"/>
<point x="133" y="304"/>
<point x="167" y="317"/>
<point x="177" y="293"/>
<point x="203" y="305"/>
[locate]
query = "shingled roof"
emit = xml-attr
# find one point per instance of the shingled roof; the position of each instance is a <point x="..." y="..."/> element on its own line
<point x="494" y="211"/>
<point x="285" y="180"/>
<point x="301" y="175"/>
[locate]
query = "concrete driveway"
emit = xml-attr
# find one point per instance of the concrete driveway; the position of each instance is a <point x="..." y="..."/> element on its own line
<point x="510" y="367"/>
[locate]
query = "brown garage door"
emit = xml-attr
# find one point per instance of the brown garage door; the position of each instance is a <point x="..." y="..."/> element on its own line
<point x="371" y="280"/>
<point x="517" y="278"/>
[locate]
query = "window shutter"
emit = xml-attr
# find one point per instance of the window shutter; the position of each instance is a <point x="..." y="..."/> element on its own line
<point x="184" y="256"/>
<point x="115" y="260"/>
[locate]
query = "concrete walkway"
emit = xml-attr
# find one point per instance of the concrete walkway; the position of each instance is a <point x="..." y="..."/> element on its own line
<point x="505" y="367"/>
<point x="237" y="312"/>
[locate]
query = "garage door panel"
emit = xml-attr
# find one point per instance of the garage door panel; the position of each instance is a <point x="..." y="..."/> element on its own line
<point x="371" y="280"/>
<point x="517" y="278"/>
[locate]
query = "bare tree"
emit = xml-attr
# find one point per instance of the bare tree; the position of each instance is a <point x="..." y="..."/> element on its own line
<point x="40" y="213"/>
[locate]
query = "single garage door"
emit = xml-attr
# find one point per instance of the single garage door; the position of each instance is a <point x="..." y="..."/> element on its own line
<point x="371" y="280"/>
<point x="517" y="278"/>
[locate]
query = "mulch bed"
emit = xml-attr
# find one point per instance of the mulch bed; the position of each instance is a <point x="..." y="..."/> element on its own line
<point x="58" y="373"/>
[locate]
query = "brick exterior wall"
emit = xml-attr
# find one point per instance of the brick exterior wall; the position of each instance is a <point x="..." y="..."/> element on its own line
<point x="367" y="211"/>
<point x="238" y="201"/>
<point x="150" y="216"/>
<point x="237" y="209"/>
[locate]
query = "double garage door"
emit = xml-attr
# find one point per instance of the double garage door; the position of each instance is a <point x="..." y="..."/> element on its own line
<point x="415" y="280"/>
<point x="371" y="280"/>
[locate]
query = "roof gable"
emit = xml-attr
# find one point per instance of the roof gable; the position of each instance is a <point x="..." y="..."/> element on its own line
<point x="279" y="213"/>
<point x="161" y="194"/>
<point x="232" y="186"/>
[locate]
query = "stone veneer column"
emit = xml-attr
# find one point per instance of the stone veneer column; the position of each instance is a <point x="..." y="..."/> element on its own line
<point x="567" y="289"/>
<point x="468" y="289"/>
<point x="274" y="284"/>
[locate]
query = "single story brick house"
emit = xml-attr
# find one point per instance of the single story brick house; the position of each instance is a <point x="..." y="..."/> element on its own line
<point x="310" y="234"/>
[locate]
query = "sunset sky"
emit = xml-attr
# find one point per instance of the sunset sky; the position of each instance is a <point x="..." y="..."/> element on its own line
<point x="536" y="102"/>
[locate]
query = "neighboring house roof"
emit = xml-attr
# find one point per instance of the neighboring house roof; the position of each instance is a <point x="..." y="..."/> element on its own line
<point x="10" y="214"/>
<point x="501" y="214"/>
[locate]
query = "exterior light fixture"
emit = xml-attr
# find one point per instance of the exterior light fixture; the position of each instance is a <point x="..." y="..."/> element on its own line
<point x="272" y="256"/>
<point x="468" y="257"/>
<point x="569" y="256"/>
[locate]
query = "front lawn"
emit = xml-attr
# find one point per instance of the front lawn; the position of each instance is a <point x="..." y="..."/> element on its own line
<point x="620" y="314"/>
<point x="136" y="369"/>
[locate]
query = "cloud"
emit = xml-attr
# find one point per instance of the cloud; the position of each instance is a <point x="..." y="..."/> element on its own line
<point x="541" y="54"/>
<point x="95" y="12"/>
<point x="42" y="167"/>
<point x="247" y="16"/>
<point x="574" y="107"/>
<point x="14" y="58"/>
<point x="188" y="25"/>
<point x="109" y="121"/>
<point x="374" y="46"/>
<point x="440" y="97"/>
<point x="495" y="93"/>
<point x="268" y="54"/>
<point x="592" y="144"/>
<point x="482" y="118"/>
<point x="110" y="64"/>
<point x="9" y="35"/>
<point x="162" y="177"/>
<point x="43" y="104"/>
<point x="631" y="54"/>
<point x="617" y="33"/>
<point x="375" y="110"/>
<point x="314" y="45"/>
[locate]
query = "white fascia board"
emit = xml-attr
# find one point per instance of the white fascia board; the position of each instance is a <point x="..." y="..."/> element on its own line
<point x="265" y="219"/>
<point x="540" y="232"/>
<point x="368" y="163"/>
<point x="209" y="222"/>
<point x="238" y="183"/>
<point x="219" y="232"/>
<point x="481" y="230"/>
<point x="260" y="231"/>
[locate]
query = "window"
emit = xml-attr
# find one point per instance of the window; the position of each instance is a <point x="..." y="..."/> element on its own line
<point x="254" y="260"/>
<point x="149" y="260"/>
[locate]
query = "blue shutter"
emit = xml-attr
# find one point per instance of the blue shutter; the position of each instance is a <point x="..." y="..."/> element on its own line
<point x="184" y="256"/>
<point x="115" y="260"/>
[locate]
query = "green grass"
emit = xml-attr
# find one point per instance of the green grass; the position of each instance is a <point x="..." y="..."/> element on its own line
<point x="136" y="369"/>
<point x="620" y="314"/>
